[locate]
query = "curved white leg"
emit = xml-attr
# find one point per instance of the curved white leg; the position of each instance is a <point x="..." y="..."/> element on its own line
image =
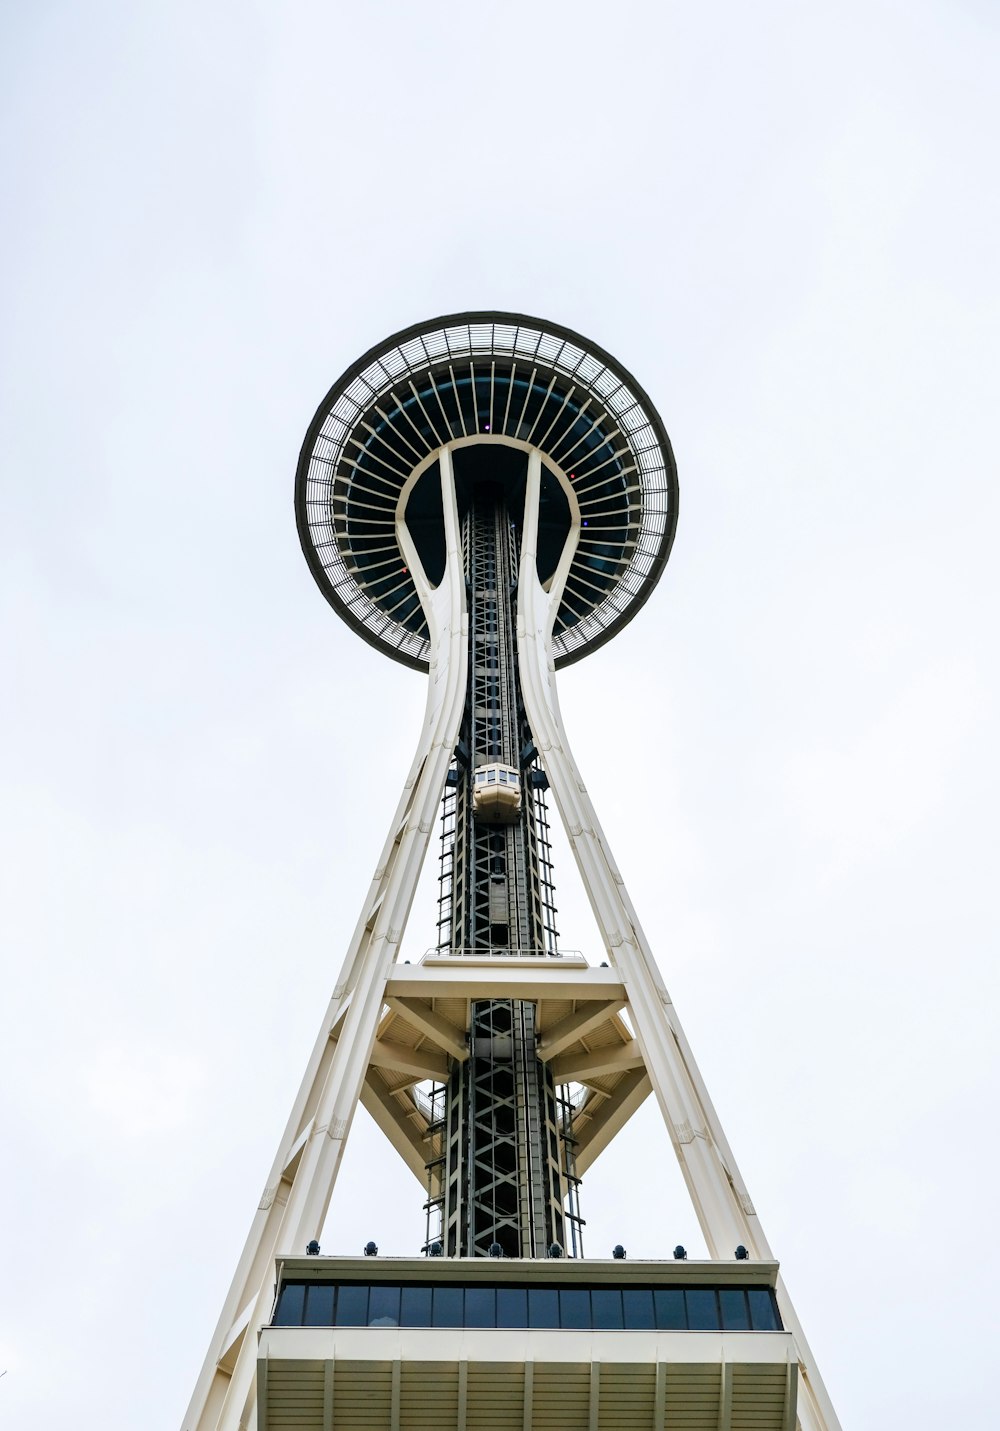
<point x="304" y="1172"/>
<point x="717" y="1190"/>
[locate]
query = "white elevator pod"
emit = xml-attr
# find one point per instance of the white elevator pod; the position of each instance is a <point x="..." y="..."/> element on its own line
<point x="496" y="797"/>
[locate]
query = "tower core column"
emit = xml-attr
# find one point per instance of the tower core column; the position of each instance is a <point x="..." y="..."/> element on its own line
<point x="501" y="1167"/>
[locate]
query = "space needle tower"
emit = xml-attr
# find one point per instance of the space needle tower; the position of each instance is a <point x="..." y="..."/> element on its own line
<point x="486" y="498"/>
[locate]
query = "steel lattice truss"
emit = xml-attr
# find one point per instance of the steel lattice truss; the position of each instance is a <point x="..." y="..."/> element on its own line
<point x="500" y="1170"/>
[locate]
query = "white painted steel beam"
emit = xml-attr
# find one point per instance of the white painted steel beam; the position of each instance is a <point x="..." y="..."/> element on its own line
<point x="630" y="1092"/>
<point x="294" y="1204"/>
<point x="583" y="1067"/>
<point x="401" y="1131"/>
<point x="504" y="979"/>
<point x="328" y="1388"/>
<point x="660" y="1397"/>
<point x="575" y="1026"/>
<point x="419" y="1063"/>
<point x="726" y="1397"/>
<point x="720" y="1197"/>
<point x="449" y="1038"/>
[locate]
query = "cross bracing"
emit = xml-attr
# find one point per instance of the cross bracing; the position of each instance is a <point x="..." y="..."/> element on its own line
<point x="500" y="1160"/>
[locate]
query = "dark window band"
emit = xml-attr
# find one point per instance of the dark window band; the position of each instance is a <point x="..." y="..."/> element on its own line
<point x="382" y="1304"/>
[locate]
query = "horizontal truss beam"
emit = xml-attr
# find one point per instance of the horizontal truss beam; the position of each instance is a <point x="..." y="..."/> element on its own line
<point x="403" y="1133"/>
<point x="575" y="1026"/>
<point x="425" y="981"/>
<point x="596" y="1063"/>
<point x="448" y="1037"/>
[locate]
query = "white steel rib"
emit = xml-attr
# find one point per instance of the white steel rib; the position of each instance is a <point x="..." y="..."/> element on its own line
<point x="723" y="1206"/>
<point x="304" y="1172"/>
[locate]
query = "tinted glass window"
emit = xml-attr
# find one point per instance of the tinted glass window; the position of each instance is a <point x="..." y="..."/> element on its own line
<point x="543" y="1307"/>
<point x="638" y="1309"/>
<point x="512" y="1307"/>
<point x="289" y="1309"/>
<point x="735" y="1317"/>
<point x="669" y="1305"/>
<point x="415" y="1307"/>
<point x="319" y="1306"/>
<point x="447" y="1307"/>
<point x="607" y="1305"/>
<point x="315" y="1304"/>
<point x="763" y="1312"/>
<point x="480" y="1307"/>
<point x="383" y="1306"/>
<point x="574" y="1308"/>
<point x="703" y="1310"/>
<point x="352" y="1306"/>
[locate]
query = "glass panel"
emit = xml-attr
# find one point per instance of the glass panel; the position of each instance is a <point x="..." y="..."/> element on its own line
<point x="763" y="1311"/>
<point x="512" y="1307"/>
<point x="288" y="1312"/>
<point x="607" y="1305"/>
<point x="733" y="1302"/>
<point x="447" y="1307"/>
<point x="480" y="1307"/>
<point x="703" y="1309"/>
<point x="383" y="1306"/>
<point x="319" y="1306"/>
<point x="638" y="1309"/>
<point x="415" y="1307"/>
<point x="670" y="1313"/>
<point x="574" y="1308"/>
<point x="543" y="1307"/>
<point x="491" y="777"/>
<point x="352" y="1307"/>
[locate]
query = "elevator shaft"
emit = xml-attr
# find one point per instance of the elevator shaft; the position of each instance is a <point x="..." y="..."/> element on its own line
<point x="505" y="1170"/>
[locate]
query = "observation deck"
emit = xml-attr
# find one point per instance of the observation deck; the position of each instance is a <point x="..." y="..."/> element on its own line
<point x="503" y="384"/>
<point x="552" y="1345"/>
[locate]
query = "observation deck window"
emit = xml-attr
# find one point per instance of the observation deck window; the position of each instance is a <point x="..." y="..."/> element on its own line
<point x="544" y="1307"/>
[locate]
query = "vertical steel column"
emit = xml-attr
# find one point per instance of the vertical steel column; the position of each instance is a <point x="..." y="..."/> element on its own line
<point x="305" y="1168"/>
<point x="505" y="1170"/>
<point x="725" y="1212"/>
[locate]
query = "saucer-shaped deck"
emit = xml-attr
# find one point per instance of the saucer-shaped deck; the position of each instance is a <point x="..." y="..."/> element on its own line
<point x="491" y="386"/>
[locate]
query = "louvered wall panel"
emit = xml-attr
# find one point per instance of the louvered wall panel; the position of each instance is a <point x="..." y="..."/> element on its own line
<point x="693" y="1397"/>
<point x="758" y="1398"/>
<point x="561" y="1397"/>
<point x="295" y="1396"/>
<point x="428" y="1395"/>
<point x="362" y="1395"/>
<point x="496" y="1396"/>
<point x="627" y="1397"/>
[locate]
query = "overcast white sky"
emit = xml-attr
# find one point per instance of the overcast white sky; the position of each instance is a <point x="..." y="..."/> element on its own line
<point x="782" y="217"/>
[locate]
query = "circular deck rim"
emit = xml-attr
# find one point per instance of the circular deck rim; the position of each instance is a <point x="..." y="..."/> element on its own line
<point x="596" y="632"/>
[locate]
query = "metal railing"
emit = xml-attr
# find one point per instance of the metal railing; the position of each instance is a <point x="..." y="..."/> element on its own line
<point x="503" y="951"/>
